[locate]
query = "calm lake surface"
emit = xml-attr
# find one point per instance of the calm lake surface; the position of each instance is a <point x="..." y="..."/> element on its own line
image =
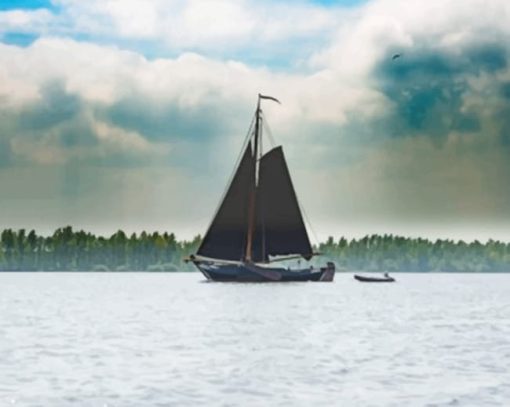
<point x="144" y="339"/>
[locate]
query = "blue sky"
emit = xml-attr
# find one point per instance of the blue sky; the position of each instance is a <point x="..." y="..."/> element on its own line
<point x="25" y="4"/>
<point x="131" y="114"/>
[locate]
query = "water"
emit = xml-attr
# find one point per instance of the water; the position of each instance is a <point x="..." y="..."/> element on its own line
<point x="138" y="339"/>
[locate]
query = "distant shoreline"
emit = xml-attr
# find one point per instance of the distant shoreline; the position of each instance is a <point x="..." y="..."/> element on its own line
<point x="67" y="250"/>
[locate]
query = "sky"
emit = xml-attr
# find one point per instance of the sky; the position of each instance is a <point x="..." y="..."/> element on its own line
<point x="130" y="114"/>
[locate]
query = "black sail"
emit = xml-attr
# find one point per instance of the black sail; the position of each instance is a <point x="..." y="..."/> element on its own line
<point x="280" y="229"/>
<point x="226" y="237"/>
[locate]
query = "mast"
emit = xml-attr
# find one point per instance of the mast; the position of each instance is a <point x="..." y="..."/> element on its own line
<point x="253" y="190"/>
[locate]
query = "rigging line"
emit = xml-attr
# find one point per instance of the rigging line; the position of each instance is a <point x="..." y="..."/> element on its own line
<point x="307" y="221"/>
<point x="268" y="131"/>
<point x="231" y="178"/>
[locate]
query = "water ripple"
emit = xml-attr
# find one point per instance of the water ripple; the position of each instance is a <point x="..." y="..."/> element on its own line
<point x="166" y="339"/>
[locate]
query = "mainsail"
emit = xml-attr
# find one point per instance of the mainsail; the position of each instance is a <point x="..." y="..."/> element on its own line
<point x="226" y="237"/>
<point x="280" y="229"/>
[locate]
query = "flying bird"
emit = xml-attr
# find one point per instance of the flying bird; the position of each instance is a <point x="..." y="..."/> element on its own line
<point x="396" y="56"/>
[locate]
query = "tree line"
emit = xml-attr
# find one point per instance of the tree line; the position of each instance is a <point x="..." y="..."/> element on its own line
<point x="396" y="253"/>
<point x="69" y="250"/>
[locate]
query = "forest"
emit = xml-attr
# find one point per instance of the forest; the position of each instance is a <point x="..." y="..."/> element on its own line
<point x="69" y="250"/>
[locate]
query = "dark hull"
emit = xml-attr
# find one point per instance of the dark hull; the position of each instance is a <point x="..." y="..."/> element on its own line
<point x="253" y="273"/>
<point x="374" y="279"/>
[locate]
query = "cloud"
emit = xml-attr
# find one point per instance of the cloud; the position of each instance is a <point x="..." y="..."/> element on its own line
<point x="263" y="31"/>
<point x="420" y="139"/>
<point x="24" y="20"/>
<point x="434" y="158"/>
<point x="190" y="98"/>
<point x="60" y="127"/>
<point x="430" y="91"/>
<point x="198" y="24"/>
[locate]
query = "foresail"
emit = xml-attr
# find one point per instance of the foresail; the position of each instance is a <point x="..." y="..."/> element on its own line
<point x="226" y="237"/>
<point x="280" y="229"/>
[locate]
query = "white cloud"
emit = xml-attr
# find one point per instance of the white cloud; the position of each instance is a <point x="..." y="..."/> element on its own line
<point x="24" y="20"/>
<point x="215" y="27"/>
<point x="106" y="75"/>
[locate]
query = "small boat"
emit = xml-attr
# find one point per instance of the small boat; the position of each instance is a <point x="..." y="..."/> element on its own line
<point x="258" y="221"/>
<point x="385" y="279"/>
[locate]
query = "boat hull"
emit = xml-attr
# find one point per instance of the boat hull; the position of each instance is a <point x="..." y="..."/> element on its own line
<point x="374" y="279"/>
<point x="253" y="273"/>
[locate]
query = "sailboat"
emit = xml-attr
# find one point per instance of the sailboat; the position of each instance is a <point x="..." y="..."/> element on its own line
<point x="259" y="221"/>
